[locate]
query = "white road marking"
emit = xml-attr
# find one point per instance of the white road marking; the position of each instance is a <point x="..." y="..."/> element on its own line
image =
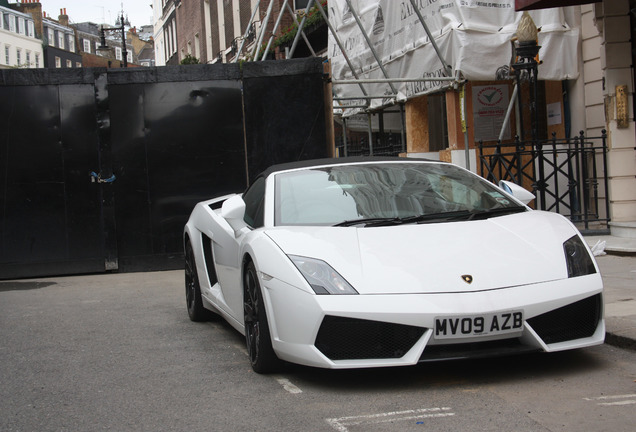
<point x="629" y="399"/>
<point x="626" y="402"/>
<point x="340" y="424"/>
<point x="289" y="386"/>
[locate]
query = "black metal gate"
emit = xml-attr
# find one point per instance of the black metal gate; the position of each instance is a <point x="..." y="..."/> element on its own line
<point x="100" y="168"/>
<point x="568" y="176"/>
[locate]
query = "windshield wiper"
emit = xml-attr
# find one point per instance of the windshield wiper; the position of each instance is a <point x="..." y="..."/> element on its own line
<point x="487" y="214"/>
<point x="389" y="221"/>
<point x="367" y="221"/>
<point x="459" y="215"/>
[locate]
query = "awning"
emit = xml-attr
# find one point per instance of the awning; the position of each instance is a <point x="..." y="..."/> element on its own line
<point x="522" y="5"/>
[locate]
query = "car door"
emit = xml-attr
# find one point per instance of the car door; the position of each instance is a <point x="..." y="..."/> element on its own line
<point x="226" y="248"/>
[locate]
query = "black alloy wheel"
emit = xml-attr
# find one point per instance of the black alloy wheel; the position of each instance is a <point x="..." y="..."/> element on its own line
<point x="257" y="336"/>
<point x="196" y="311"/>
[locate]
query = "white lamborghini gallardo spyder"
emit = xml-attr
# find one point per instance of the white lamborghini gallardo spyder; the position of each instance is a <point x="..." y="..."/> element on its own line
<point x="367" y="262"/>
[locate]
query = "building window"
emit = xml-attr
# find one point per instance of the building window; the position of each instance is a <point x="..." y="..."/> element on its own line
<point x="69" y="64"/>
<point x="129" y="56"/>
<point x="60" y="40"/>
<point x="51" y="34"/>
<point x="37" y="60"/>
<point x="78" y="64"/>
<point x="118" y="55"/>
<point x="87" y="46"/>
<point x="28" y="58"/>
<point x="31" y="28"/>
<point x="11" y="23"/>
<point x="71" y="43"/>
<point x="7" y="56"/>
<point x="197" y="48"/>
<point x="58" y="62"/>
<point x="18" y="56"/>
<point x="21" y="25"/>
<point x="300" y="4"/>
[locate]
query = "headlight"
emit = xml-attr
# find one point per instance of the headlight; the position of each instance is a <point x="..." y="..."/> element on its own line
<point x="322" y="278"/>
<point x="577" y="258"/>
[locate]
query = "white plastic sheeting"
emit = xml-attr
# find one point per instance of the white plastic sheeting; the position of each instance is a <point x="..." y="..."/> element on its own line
<point x="472" y="35"/>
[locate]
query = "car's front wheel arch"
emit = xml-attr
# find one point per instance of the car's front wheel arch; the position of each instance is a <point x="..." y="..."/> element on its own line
<point x="257" y="333"/>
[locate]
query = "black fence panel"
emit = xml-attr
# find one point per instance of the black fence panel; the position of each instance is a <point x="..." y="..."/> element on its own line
<point x="292" y="87"/>
<point x="567" y="176"/>
<point x="100" y="168"/>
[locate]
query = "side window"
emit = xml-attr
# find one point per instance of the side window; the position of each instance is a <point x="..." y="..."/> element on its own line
<point x="254" y="199"/>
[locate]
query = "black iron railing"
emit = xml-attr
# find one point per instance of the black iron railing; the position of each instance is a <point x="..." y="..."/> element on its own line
<point x="567" y="176"/>
<point x="389" y="145"/>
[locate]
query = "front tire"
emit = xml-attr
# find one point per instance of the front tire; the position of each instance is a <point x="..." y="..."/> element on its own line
<point x="257" y="336"/>
<point x="196" y="311"/>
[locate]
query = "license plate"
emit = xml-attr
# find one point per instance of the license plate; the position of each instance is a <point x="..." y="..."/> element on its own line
<point x="478" y="325"/>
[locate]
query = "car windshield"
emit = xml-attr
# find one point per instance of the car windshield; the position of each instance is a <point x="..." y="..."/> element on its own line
<point x="385" y="194"/>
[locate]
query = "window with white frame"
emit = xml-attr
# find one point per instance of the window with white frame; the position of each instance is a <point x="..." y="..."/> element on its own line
<point x="12" y="23"/>
<point x="69" y="64"/>
<point x="28" y="58"/>
<point x="7" y="54"/>
<point x="21" y="25"/>
<point x="87" y="46"/>
<point x="58" y="62"/>
<point x="60" y="39"/>
<point x="78" y="65"/>
<point x="129" y="56"/>
<point x="37" y="60"/>
<point x="5" y="21"/>
<point x="31" y="29"/>
<point x="118" y="55"/>
<point x="71" y="43"/>
<point x="51" y="34"/>
<point x="18" y="56"/>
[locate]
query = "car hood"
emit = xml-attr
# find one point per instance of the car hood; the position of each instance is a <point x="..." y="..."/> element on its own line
<point x="500" y="252"/>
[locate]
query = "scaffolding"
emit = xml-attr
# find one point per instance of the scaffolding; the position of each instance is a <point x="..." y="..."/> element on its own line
<point x="363" y="104"/>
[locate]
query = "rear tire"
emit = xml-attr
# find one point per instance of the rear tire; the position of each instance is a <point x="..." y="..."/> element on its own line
<point x="257" y="337"/>
<point x="194" y="303"/>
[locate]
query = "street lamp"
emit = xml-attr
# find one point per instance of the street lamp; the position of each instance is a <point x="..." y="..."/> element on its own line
<point x="120" y="23"/>
<point x="526" y="67"/>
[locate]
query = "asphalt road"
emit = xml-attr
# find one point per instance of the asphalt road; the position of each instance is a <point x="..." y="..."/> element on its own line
<point x="117" y="352"/>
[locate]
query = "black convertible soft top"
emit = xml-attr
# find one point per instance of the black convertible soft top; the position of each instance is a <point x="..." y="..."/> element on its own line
<point x="333" y="161"/>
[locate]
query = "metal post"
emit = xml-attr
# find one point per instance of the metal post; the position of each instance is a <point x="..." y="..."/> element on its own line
<point x="370" y="45"/>
<point x="271" y="38"/>
<point x="344" y="136"/>
<point x="302" y="32"/>
<point x="403" y="127"/>
<point x="334" y="33"/>
<point x="370" y="135"/>
<point x="447" y="68"/>
<point x="124" y="51"/>
<point x="605" y="175"/>
<point x="247" y="30"/>
<point x="300" y="29"/>
<point x="511" y="106"/>
<point x="263" y="28"/>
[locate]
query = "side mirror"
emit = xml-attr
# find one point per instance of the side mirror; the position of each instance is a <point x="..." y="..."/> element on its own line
<point x="233" y="211"/>
<point x="517" y="191"/>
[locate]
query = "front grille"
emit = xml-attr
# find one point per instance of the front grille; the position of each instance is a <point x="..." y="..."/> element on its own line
<point x="475" y="350"/>
<point x="574" y="321"/>
<point x="342" y="338"/>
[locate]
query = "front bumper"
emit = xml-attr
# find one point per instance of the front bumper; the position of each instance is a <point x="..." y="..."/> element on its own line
<point x="354" y="331"/>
